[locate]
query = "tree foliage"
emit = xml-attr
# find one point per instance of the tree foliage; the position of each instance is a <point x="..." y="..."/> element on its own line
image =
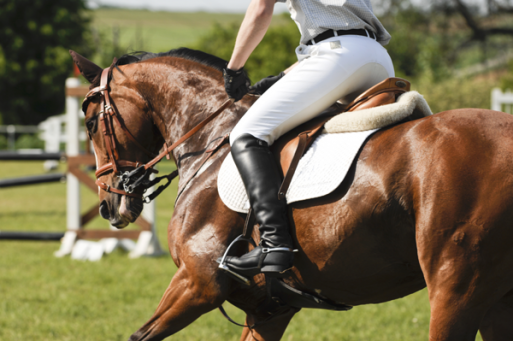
<point x="108" y="46"/>
<point x="507" y="80"/>
<point x="35" y="36"/>
<point x="449" y="34"/>
<point x="274" y="54"/>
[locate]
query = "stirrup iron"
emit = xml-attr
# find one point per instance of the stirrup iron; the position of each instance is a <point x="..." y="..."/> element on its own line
<point x="225" y="268"/>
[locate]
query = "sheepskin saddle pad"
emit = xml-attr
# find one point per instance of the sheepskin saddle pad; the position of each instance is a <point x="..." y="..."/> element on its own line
<point x="410" y="104"/>
<point x="325" y="164"/>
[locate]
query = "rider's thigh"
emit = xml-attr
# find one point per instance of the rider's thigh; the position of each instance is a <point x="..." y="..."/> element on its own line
<point x="338" y="68"/>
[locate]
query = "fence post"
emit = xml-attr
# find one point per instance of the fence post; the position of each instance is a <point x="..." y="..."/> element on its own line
<point x="73" y="110"/>
<point x="51" y="135"/>
<point x="496" y="99"/>
<point x="11" y="137"/>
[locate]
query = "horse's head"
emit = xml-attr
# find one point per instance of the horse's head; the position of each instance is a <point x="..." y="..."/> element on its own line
<point x="119" y="123"/>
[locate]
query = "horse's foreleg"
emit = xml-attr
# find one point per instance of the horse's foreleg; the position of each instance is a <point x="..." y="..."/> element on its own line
<point x="497" y="324"/>
<point x="183" y="302"/>
<point x="269" y="330"/>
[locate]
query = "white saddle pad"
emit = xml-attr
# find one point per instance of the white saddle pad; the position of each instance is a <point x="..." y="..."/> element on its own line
<point x="321" y="170"/>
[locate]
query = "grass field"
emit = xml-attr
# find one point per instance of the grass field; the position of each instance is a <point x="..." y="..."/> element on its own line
<point x="160" y="31"/>
<point x="45" y="298"/>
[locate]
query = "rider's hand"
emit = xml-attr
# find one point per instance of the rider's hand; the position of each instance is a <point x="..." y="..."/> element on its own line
<point x="236" y="83"/>
<point x="264" y="84"/>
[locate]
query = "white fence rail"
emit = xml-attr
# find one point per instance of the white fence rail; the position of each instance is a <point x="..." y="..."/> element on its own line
<point x="502" y="101"/>
<point x="12" y="130"/>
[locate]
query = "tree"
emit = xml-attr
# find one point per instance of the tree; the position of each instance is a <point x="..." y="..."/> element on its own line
<point x="35" y="36"/>
<point x="437" y="36"/>
<point x="483" y="30"/>
<point x="274" y="54"/>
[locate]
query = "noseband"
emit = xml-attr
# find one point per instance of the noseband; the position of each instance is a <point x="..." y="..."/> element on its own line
<point x="138" y="176"/>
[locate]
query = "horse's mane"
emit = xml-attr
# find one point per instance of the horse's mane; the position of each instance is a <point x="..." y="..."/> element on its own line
<point x="182" y="52"/>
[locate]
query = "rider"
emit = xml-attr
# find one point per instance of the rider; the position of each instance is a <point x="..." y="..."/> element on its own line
<point x="340" y="55"/>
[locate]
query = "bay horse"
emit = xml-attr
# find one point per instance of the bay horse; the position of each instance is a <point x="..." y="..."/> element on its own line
<point x="426" y="203"/>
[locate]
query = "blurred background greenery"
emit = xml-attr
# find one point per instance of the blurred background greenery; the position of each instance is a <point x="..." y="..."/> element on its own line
<point x="453" y="52"/>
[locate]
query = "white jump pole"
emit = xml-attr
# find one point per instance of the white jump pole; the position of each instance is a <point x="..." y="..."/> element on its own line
<point x="73" y="111"/>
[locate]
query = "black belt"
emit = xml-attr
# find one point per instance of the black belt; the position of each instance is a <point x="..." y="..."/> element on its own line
<point x="332" y="33"/>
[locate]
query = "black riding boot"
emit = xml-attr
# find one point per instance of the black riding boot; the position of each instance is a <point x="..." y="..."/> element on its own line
<point x="262" y="179"/>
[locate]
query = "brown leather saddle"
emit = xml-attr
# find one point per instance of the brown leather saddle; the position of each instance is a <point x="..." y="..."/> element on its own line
<point x="289" y="148"/>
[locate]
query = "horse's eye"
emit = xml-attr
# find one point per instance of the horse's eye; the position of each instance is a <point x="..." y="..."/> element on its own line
<point x="90" y="125"/>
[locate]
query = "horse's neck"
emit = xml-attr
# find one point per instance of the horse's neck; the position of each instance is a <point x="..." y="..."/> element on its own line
<point x="187" y="102"/>
<point x="189" y="155"/>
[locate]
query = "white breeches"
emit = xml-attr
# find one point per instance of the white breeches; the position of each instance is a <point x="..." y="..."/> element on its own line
<point x="336" y="68"/>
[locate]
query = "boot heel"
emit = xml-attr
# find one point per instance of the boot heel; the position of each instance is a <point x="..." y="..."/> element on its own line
<point x="276" y="263"/>
<point x="277" y="271"/>
<point x="280" y="258"/>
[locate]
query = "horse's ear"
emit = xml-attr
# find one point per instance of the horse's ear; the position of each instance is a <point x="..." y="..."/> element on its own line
<point x="88" y="69"/>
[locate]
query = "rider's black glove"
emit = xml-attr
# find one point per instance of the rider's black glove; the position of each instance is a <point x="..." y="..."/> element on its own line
<point x="264" y="84"/>
<point x="236" y="83"/>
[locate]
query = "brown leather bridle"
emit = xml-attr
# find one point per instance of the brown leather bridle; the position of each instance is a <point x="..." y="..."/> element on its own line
<point x="138" y="176"/>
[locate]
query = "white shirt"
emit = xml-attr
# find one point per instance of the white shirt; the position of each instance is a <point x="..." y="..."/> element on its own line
<point x="316" y="16"/>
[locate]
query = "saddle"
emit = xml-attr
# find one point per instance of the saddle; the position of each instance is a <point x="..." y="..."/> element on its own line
<point x="289" y="148"/>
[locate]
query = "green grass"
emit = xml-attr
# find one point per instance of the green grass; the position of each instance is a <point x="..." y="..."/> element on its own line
<point x="160" y="31"/>
<point x="46" y="298"/>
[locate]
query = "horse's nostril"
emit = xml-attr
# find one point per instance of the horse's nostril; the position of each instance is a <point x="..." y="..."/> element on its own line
<point x="104" y="210"/>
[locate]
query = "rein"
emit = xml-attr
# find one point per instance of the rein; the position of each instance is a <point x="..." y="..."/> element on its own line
<point x="136" y="178"/>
